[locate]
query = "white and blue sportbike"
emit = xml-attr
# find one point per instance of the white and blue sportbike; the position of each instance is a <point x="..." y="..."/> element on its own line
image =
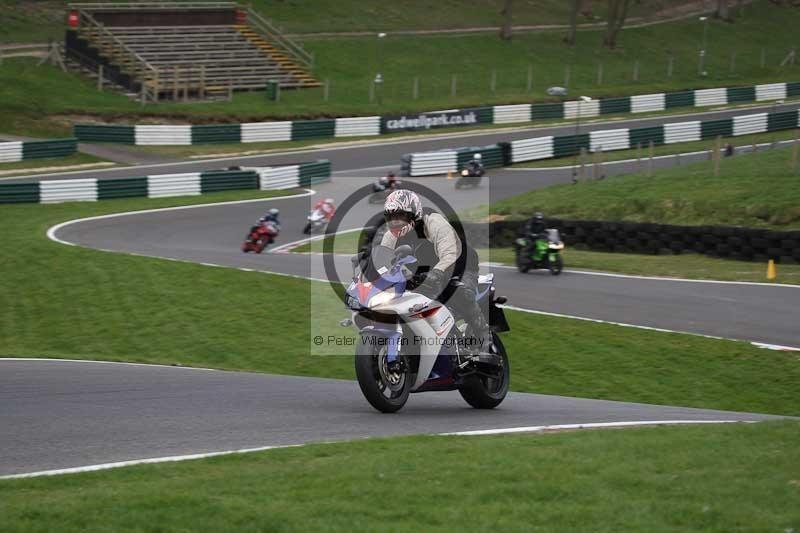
<point x="410" y="343"/>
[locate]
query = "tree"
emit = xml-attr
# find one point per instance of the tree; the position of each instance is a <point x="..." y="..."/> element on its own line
<point x="573" y="22"/>
<point x="617" y="13"/>
<point x="505" y="29"/>
<point x="722" y="10"/>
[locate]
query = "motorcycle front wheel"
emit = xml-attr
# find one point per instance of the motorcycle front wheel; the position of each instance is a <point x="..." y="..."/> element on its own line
<point x="556" y="266"/>
<point x="483" y="392"/>
<point x="307" y="229"/>
<point x="386" y="391"/>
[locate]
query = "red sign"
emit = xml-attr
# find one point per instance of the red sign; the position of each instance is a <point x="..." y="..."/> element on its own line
<point x="73" y="19"/>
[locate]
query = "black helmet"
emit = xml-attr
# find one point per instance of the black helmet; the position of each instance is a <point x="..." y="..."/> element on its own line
<point x="538" y="217"/>
<point x="390" y="175"/>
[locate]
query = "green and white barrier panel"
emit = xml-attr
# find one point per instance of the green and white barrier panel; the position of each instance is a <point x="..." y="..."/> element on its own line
<point x="166" y="185"/>
<point x="442" y="162"/>
<point x="371" y="126"/>
<point x="24" y="150"/>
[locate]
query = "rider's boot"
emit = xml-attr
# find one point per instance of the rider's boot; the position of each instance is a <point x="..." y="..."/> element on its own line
<point x="481" y="348"/>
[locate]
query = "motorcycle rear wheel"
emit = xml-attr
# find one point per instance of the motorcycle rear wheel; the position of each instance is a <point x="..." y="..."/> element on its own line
<point x="523" y="265"/>
<point x="486" y="393"/>
<point x="386" y="392"/>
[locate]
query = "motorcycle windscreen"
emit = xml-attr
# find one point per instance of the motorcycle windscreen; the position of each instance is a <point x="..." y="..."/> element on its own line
<point x="376" y="263"/>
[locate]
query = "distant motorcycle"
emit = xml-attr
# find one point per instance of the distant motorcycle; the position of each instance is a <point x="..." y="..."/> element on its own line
<point x="317" y="221"/>
<point x="380" y="192"/>
<point x="545" y="252"/>
<point x="260" y="236"/>
<point x="469" y="177"/>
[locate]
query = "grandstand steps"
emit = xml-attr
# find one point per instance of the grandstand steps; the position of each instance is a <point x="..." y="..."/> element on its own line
<point x="206" y="60"/>
<point x="298" y="73"/>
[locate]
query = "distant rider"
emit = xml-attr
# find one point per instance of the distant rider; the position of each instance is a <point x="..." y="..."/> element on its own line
<point x="271" y="216"/>
<point x="534" y="230"/>
<point x="387" y="182"/>
<point x="475" y="165"/>
<point x="327" y="207"/>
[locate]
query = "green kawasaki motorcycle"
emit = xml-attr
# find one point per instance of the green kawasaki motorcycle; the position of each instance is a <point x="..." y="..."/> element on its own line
<point x="545" y="252"/>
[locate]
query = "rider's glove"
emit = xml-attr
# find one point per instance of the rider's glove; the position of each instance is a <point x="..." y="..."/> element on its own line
<point x="433" y="285"/>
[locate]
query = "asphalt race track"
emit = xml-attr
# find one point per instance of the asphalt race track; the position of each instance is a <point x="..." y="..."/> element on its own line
<point x="759" y="313"/>
<point x="57" y="414"/>
<point x="60" y="414"/>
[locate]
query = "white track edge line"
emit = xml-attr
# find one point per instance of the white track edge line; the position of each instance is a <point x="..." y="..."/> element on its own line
<point x="51" y="232"/>
<point x="120" y="464"/>
<point x="651" y="328"/>
<point x="529" y="429"/>
<point x="591" y="425"/>
<point x="93" y="361"/>
<point x="656" y="278"/>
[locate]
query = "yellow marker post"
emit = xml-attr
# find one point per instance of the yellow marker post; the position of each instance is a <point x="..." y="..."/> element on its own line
<point x="449" y="174"/>
<point x="771" y="274"/>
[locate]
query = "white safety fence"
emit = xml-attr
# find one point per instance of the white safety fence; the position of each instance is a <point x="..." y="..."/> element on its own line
<point x="706" y="97"/>
<point x="609" y="140"/>
<point x="54" y="191"/>
<point x="253" y="132"/>
<point x="748" y="124"/>
<point x="357" y="127"/>
<point x="425" y="164"/>
<point x="681" y="132"/>
<point x="10" y="152"/>
<point x="507" y="114"/>
<point x="532" y="149"/>
<point x="279" y="177"/>
<point x="163" y="135"/>
<point x="174" y="185"/>
<point x="586" y="109"/>
<point x="770" y="91"/>
<point x="647" y="103"/>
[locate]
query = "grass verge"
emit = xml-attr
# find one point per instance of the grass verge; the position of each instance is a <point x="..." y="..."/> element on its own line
<point x="755" y="190"/>
<point x="75" y="159"/>
<point x="709" y="478"/>
<point x="68" y="302"/>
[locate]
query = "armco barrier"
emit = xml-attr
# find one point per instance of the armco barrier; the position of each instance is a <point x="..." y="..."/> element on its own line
<point x="371" y="126"/>
<point x="165" y="185"/>
<point x="24" y="150"/>
<point x="746" y="244"/>
<point x="431" y="163"/>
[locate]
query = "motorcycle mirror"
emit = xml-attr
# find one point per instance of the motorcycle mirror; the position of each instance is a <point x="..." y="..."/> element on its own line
<point x="402" y="250"/>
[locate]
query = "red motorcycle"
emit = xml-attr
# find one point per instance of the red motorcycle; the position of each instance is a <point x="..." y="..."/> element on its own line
<point x="259" y="237"/>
